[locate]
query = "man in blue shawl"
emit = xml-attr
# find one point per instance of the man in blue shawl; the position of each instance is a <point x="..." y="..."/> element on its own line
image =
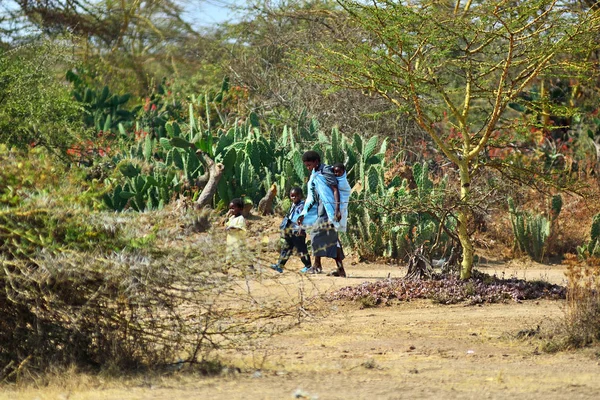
<point x="321" y="213"/>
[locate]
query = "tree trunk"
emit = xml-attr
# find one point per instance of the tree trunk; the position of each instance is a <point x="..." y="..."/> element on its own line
<point x="463" y="221"/>
<point x="215" y="171"/>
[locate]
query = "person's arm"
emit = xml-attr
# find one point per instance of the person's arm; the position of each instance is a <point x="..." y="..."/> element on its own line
<point x="226" y="219"/>
<point x="309" y="202"/>
<point x="336" y="196"/>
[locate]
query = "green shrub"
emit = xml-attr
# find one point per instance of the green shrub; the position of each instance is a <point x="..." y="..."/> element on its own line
<point x="36" y="108"/>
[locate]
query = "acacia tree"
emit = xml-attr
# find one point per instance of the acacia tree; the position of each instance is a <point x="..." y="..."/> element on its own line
<point x="456" y="68"/>
<point x="125" y="42"/>
<point x="260" y="46"/>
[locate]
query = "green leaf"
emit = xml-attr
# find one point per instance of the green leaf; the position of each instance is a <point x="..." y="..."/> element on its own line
<point x="152" y="181"/>
<point x="225" y="84"/>
<point x="373" y="179"/>
<point x="126" y="195"/>
<point x="253" y="153"/>
<point x="124" y="98"/>
<point x="129" y="170"/>
<point x="165" y="143"/>
<point x="383" y="148"/>
<point x="178" y="159"/>
<point x="148" y="147"/>
<point x="173" y="129"/>
<point x="298" y="165"/>
<point x="229" y="159"/>
<point x="284" y="136"/>
<point x="254" y="121"/>
<point x="88" y="95"/>
<point x="181" y="143"/>
<point x="358" y="144"/>
<point x="107" y="124"/>
<point x="313" y="127"/>
<point x="103" y="96"/>
<point x="516" y="106"/>
<point x="370" y="147"/>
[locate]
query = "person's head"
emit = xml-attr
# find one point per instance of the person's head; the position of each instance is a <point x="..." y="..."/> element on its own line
<point x="311" y="159"/>
<point x="236" y="206"/>
<point x="339" y="169"/>
<point x="296" y="194"/>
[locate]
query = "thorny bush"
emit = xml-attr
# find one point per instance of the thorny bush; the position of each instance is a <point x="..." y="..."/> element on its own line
<point x="126" y="309"/>
<point x="581" y="324"/>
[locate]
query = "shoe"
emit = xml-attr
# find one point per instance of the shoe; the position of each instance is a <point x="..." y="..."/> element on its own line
<point x="310" y="270"/>
<point x="277" y="268"/>
<point x="338" y="272"/>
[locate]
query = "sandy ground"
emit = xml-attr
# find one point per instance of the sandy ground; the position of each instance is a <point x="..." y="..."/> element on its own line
<point x="409" y="350"/>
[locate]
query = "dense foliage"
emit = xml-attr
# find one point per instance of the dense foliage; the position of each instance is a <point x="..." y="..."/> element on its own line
<point x="36" y="109"/>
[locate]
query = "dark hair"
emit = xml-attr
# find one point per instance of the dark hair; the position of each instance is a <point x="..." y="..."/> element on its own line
<point x="311" y="156"/>
<point x="237" y="203"/>
<point x="339" y="165"/>
<point x="297" y="190"/>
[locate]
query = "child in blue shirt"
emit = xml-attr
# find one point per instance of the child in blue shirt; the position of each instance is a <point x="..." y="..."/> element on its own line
<point x="294" y="237"/>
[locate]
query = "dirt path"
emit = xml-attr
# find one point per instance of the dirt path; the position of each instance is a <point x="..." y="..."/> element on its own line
<point x="411" y="350"/>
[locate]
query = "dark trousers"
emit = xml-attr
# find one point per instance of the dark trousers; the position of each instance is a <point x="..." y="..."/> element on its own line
<point x="290" y="243"/>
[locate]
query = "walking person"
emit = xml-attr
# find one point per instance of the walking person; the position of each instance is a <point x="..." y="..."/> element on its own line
<point x="321" y="211"/>
<point x="293" y="235"/>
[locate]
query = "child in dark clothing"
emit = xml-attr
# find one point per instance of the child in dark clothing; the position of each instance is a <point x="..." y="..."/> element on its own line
<point x="294" y="237"/>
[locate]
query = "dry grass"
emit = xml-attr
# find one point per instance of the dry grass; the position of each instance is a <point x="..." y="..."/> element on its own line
<point x="580" y="326"/>
<point x="164" y="300"/>
<point x="582" y="319"/>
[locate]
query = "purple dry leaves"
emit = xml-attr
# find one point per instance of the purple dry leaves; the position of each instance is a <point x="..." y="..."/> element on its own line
<point x="481" y="288"/>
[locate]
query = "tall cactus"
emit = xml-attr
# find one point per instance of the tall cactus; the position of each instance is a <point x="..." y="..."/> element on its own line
<point x="531" y="231"/>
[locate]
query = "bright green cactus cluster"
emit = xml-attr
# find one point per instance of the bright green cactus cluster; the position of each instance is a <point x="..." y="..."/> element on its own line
<point x="252" y="161"/>
<point x="141" y="191"/>
<point x="531" y="231"/>
<point x="105" y="111"/>
<point x="363" y="158"/>
<point x="391" y="220"/>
